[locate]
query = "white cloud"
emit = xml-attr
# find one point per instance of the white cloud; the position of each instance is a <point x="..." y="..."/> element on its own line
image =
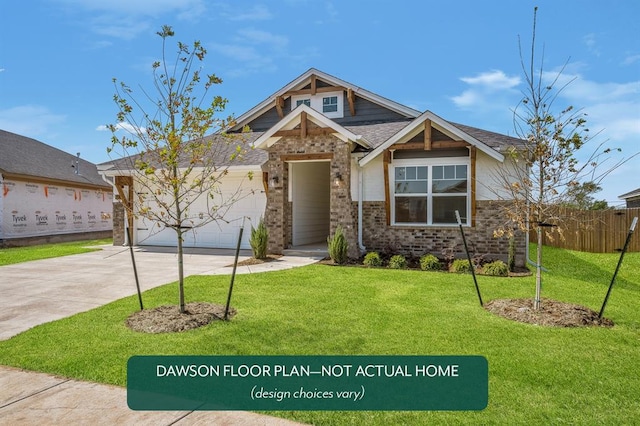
<point x="493" y="80"/>
<point x="127" y="127"/>
<point x="258" y="12"/>
<point x="254" y="50"/>
<point x="126" y="19"/>
<point x="489" y="91"/>
<point x="139" y="7"/>
<point x="30" y="120"/>
<point x="253" y="36"/>
<point x="631" y="59"/>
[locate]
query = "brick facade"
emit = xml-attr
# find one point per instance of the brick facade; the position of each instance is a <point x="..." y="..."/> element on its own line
<point x="118" y="224"/>
<point x="279" y="212"/>
<point x="378" y="236"/>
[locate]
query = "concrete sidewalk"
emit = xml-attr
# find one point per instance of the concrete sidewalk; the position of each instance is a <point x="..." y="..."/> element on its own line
<point x="46" y="290"/>
<point x="28" y="398"/>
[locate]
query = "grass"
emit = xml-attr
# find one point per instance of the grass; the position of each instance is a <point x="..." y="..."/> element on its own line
<point x="13" y="255"/>
<point x="536" y="374"/>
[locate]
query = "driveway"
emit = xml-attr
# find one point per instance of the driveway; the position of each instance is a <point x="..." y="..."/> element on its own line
<point x="46" y="290"/>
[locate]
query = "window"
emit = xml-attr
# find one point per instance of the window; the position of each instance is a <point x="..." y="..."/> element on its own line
<point x="330" y="104"/>
<point x="431" y="192"/>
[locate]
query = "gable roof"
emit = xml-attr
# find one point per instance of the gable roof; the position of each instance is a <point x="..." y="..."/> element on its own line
<point x="292" y="119"/>
<point x="304" y="79"/>
<point x="415" y="126"/>
<point x="24" y="157"/>
<point x="630" y="194"/>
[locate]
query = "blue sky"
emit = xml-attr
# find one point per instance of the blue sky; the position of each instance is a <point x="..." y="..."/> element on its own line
<point x="458" y="59"/>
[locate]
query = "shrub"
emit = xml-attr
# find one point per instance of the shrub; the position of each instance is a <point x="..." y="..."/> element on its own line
<point x="429" y="262"/>
<point x="397" y="261"/>
<point x="460" y="266"/>
<point x="497" y="269"/>
<point x="338" y="246"/>
<point x="511" y="263"/>
<point x="372" y="259"/>
<point x="259" y="240"/>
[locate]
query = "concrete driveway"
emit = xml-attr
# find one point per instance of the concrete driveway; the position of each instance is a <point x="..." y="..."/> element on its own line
<point x="46" y="290"/>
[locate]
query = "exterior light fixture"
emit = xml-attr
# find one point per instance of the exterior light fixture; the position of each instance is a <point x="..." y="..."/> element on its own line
<point x="273" y="182"/>
<point x="338" y="179"/>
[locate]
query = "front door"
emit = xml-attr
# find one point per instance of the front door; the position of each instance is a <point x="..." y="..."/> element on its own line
<point x="310" y="195"/>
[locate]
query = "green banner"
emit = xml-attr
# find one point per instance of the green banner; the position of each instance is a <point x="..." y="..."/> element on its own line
<point x="307" y="383"/>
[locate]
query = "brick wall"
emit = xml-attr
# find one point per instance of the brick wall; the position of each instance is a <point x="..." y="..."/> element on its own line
<point x="118" y="224"/>
<point x="377" y="236"/>
<point x="278" y="217"/>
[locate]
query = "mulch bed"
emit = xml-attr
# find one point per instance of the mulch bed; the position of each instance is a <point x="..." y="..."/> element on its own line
<point x="168" y="319"/>
<point x="552" y="313"/>
<point x="254" y="261"/>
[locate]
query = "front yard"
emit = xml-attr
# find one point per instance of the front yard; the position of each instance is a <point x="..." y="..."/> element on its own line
<point x="536" y="374"/>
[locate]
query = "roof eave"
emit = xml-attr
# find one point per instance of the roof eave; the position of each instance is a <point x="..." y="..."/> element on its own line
<point x="269" y="102"/>
<point x="439" y="122"/>
<point x="268" y="138"/>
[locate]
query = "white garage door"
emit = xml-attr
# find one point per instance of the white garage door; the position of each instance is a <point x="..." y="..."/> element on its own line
<point x="220" y="234"/>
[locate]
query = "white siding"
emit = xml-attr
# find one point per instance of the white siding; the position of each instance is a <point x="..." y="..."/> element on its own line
<point x="373" y="180"/>
<point x="311" y="202"/>
<point x="220" y="234"/>
<point x="489" y="175"/>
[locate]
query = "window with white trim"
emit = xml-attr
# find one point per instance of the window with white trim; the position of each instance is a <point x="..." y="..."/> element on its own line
<point x="330" y="104"/>
<point x="429" y="191"/>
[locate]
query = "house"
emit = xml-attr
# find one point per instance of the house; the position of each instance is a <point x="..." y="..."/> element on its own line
<point x="49" y="195"/>
<point x="632" y="198"/>
<point x="331" y="153"/>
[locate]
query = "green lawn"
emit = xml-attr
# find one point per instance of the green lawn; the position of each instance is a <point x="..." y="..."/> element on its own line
<point x="12" y="255"/>
<point x="536" y="374"/>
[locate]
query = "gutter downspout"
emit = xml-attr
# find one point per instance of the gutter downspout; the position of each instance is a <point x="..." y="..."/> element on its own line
<point x="360" y="200"/>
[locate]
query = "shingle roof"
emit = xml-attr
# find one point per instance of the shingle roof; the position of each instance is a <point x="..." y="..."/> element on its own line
<point x="630" y="194"/>
<point x="221" y="156"/>
<point x="377" y="133"/>
<point x="20" y="155"/>
<point x="495" y="140"/>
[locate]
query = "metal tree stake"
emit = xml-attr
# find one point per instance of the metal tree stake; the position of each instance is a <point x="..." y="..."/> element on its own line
<point x="466" y="249"/>
<point x="233" y="274"/>
<point x="624" y="249"/>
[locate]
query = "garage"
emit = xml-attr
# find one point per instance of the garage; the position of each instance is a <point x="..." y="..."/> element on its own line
<point x="219" y="234"/>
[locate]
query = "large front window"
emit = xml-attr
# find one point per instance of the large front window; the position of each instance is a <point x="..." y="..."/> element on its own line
<point x="428" y="192"/>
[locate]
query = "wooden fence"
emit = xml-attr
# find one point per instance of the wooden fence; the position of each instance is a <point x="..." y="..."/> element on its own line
<point x="597" y="231"/>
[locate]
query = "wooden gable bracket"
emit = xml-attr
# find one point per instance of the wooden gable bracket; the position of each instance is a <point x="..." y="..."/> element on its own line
<point x="427" y="135"/>
<point x="351" y="97"/>
<point x="313" y="84"/>
<point x="279" y="106"/>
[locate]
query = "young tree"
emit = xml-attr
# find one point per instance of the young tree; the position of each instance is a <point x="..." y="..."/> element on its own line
<point x="545" y="169"/>
<point x="167" y="151"/>
<point x="581" y="197"/>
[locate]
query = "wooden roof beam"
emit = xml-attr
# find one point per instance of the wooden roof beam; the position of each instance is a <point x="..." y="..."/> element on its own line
<point x="279" y="106"/>
<point x="352" y="99"/>
<point x="317" y="90"/>
<point x="427" y="135"/>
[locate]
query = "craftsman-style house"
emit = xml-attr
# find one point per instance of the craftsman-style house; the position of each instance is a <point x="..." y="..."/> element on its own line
<point x="331" y="153"/>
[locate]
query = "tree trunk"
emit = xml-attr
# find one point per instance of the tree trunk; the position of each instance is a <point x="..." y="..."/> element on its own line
<point x="180" y="272"/>
<point x="536" y="302"/>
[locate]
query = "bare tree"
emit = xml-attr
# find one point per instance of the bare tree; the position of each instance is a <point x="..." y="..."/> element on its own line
<point x="545" y="171"/>
<point x="166" y="150"/>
